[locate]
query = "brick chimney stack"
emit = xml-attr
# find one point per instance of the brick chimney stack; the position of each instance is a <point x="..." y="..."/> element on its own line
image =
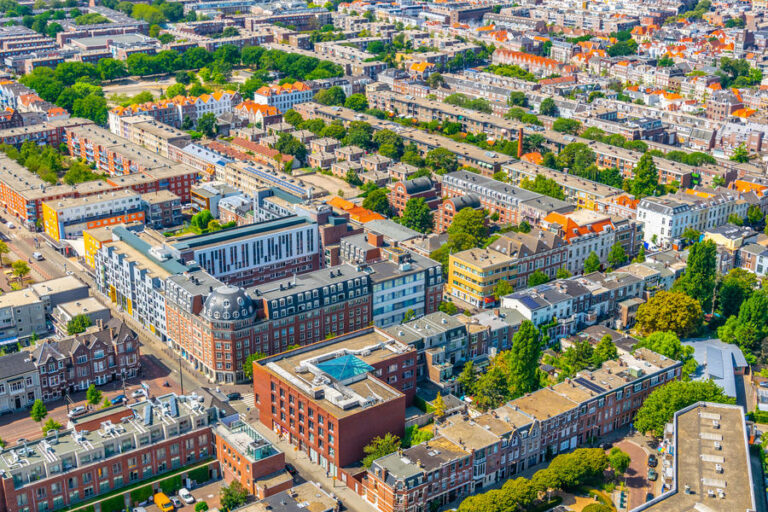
<point x="519" y="143"/>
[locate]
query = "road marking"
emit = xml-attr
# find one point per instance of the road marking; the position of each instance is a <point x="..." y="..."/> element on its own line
<point x="249" y="399"/>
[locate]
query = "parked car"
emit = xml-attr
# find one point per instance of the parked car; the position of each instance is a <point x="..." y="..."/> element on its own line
<point x="76" y="411"/>
<point x="118" y="399"/>
<point x="652" y="461"/>
<point x="291" y="469"/>
<point x="185" y="495"/>
<point x="234" y="396"/>
<point x="652" y="474"/>
<point x="764" y="384"/>
<point x="163" y="503"/>
<point x="648" y="497"/>
<point x="139" y="509"/>
<point x="176" y="502"/>
<point x="138" y="393"/>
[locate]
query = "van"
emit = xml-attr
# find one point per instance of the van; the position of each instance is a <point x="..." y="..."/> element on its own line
<point x="163" y="502"/>
<point x="37" y="256"/>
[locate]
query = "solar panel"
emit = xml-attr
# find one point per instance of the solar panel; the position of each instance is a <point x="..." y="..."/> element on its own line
<point x="589" y="385"/>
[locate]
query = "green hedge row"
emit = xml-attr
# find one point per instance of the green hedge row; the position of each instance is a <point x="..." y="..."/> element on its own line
<point x="113" y="504"/>
<point x="141" y="494"/>
<point x="171" y="485"/>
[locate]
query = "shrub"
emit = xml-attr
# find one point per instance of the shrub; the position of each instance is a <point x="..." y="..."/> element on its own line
<point x="113" y="504"/>
<point x="171" y="485"/>
<point x="199" y="475"/>
<point x="201" y="506"/>
<point x="141" y="494"/>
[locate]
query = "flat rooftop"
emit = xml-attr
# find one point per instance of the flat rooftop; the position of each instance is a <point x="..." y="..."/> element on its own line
<point x="199" y="242"/>
<point x="698" y="430"/>
<point x="334" y="374"/>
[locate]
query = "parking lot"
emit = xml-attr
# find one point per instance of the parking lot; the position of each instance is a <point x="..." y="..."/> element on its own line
<point x="20" y="425"/>
<point x="208" y="493"/>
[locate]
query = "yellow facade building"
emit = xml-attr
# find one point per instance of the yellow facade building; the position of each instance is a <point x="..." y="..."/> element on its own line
<point x="473" y="274"/>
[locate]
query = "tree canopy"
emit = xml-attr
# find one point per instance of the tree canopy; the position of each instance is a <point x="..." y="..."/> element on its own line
<point x="669" y="311"/>
<point x="660" y="406"/>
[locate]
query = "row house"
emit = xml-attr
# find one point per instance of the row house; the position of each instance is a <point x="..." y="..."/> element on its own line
<point x="541" y="66"/>
<point x="468" y="454"/>
<point x="101" y="354"/>
<point x="666" y="218"/>
<point x="403" y="191"/>
<point x="587" y="231"/>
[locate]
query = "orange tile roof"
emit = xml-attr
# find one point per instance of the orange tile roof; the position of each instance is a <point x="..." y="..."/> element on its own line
<point x="744" y="112"/>
<point x="748" y="186"/>
<point x="572" y="230"/>
<point x="534" y="158"/>
<point x="421" y="67"/>
<point x="356" y="213"/>
<point x="253" y="107"/>
<point x="269" y="90"/>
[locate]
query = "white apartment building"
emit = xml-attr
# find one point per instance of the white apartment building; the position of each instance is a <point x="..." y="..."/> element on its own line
<point x="285" y="96"/>
<point x="666" y="218"/>
<point x="69" y="217"/>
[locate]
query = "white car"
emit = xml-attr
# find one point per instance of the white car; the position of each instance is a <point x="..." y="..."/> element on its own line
<point x="138" y="393"/>
<point x="185" y="495"/>
<point x="76" y="411"/>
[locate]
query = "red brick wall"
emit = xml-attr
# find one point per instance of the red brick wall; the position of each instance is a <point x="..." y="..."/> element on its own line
<point x="357" y="430"/>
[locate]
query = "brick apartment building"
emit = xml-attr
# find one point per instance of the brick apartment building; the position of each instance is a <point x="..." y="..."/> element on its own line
<point x="101" y="354"/>
<point x="331" y="398"/>
<point x="403" y="191"/>
<point x="443" y="217"/>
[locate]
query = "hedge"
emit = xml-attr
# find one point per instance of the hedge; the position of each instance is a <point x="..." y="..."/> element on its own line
<point x="113" y="504"/>
<point x="171" y="485"/>
<point x="141" y="494"/>
<point x="422" y="404"/>
<point x="760" y="416"/>
<point x="200" y="475"/>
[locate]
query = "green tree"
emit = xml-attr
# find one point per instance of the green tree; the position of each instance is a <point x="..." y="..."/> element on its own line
<point x="668" y="344"/>
<point x="417" y="215"/>
<point x="38" y="411"/>
<point x="449" y="308"/>
<point x="735" y="287"/>
<point x="359" y="133"/>
<point x="93" y="395"/>
<point x="700" y="273"/>
<point x="109" y="69"/>
<point x="669" y="311"/>
<point x="293" y="118"/>
<point x="379" y="447"/>
<point x="735" y="220"/>
<point x="468" y="377"/>
<point x="287" y="144"/>
<point x="523" y="360"/>
<point x="201" y="219"/>
<point x="357" y="102"/>
<point x="176" y="90"/>
<point x="78" y="324"/>
<point x="597" y="507"/>
<point x="441" y="161"/>
<point x="563" y="273"/>
<point x="592" y="263"/>
<point x="640" y="258"/>
<point x="20" y="270"/>
<point x="740" y="154"/>
<point x="248" y="364"/>
<point x="439" y="404"/>
<point x="517" y="99"/>
<point x="548" y="107"/>
<point x="646" y="180"/>
<point x="502" y="288"/>
<point x="51" y="424"/>
<point x="619" y="461"/>
<point x="605" y="350"/>
<point x="660" y="406"/>
<point x="748" y="329"/>
<point x="544" y="185"/>
<point x="691" y="235"/>
<point x="435" y="80"/>
<point x="564" y="125"/>
<point x="201" y="506"/>
<point x="4" y="249"/>
<point x="378" y="201"/>
<point x="617" y="256"/>
<point x="471" y="222"/>
<point x="331" y="96"/>
<point x="754" y="215"/>
<point x="233" y="495"/>
<point x="537" y="277"/>
<point x="207" y="124"/>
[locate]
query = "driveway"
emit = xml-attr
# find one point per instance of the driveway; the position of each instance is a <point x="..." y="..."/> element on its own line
<point x="636" y="476"/>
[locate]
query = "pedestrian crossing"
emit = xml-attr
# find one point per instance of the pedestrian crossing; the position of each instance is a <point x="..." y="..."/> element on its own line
<point x="248" y="399"/>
